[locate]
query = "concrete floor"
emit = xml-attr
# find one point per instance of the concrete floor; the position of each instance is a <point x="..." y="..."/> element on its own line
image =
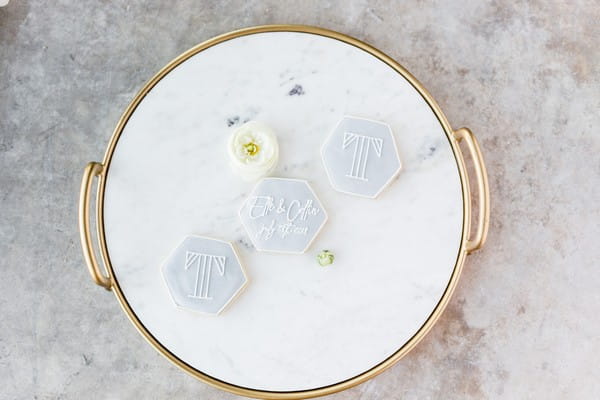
<point x="523" y="75"/>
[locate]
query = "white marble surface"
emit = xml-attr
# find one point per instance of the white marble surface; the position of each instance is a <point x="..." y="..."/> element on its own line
<point x="297" y="326"/>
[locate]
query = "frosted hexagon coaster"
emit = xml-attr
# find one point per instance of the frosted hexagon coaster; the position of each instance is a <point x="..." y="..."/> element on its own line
<point x="360" y="157"/>
<point x="282" y="215"/>
<point x="204" y="274"/>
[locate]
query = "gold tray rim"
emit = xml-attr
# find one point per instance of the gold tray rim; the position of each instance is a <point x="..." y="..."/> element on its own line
<point x="397" y="355"/>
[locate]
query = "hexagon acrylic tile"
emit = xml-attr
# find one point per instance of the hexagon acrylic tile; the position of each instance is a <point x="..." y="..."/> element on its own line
<point x="204" y="274"/>
<point x="360" y="157"/>
<point x="282" y="215"/>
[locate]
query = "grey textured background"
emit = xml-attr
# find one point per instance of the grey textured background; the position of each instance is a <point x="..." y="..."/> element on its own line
<point x="524" y="75"/>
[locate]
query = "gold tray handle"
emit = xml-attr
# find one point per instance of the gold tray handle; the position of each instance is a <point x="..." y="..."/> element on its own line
<point x="91" y="171"/>
<point x="483" y="190"/>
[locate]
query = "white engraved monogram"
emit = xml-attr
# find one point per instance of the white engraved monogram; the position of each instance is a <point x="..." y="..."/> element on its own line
<point x="204" y="262"/>
<point x="294" y="214"/>
<point x="362" y="145"/>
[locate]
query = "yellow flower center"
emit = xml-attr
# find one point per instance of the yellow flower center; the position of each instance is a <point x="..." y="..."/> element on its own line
<point x="251" y="149"/>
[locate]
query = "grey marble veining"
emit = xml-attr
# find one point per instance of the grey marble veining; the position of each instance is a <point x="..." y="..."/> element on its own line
<point x="523" y="76"/>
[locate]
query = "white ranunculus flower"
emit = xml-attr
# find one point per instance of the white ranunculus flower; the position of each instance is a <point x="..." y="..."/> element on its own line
<point x="253" y="150"/>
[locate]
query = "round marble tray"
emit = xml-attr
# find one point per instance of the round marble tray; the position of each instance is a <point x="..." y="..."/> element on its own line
<point x="298" y="327"/>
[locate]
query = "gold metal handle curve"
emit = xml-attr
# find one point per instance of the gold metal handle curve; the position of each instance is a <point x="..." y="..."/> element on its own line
<point x="91" y="171"/>
<point x="483" y="190"/>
